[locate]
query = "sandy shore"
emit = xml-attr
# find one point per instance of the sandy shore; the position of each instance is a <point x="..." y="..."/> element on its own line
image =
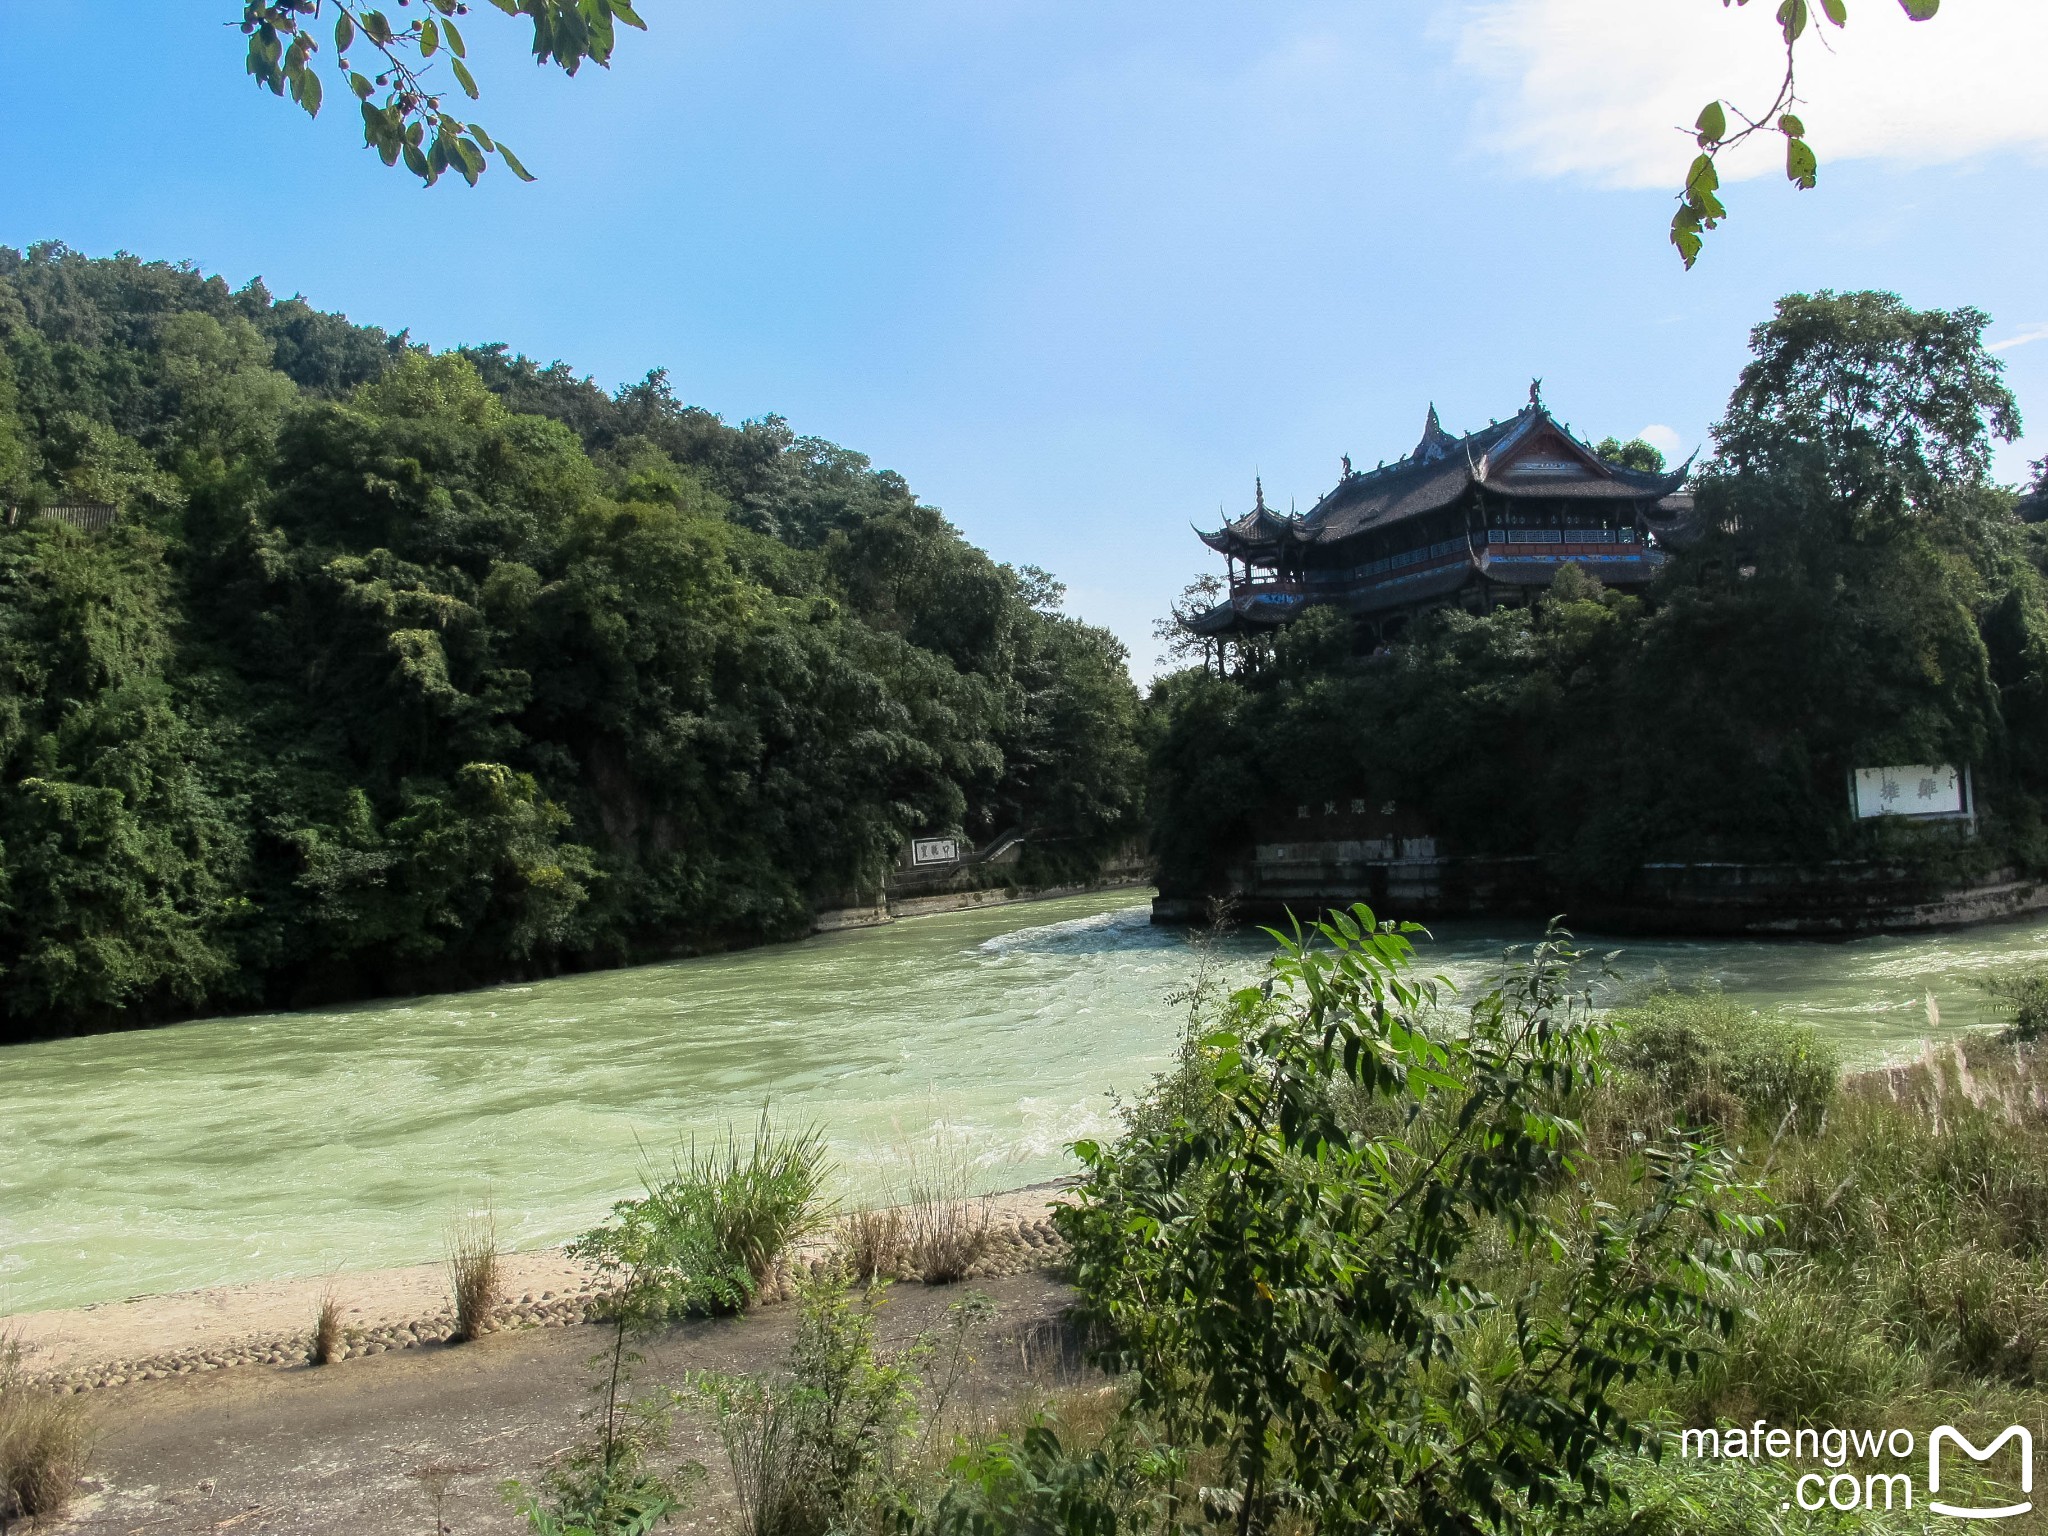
<point x="263" y="1321"/>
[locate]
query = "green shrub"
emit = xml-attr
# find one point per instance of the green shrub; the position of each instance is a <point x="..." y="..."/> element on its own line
<point x="1319" y="1305"/>
<point x="818" y="1450"/>
<point x="1712" y="1062"/>
<point x="2022" y="995"/>
<point x="1032" y="1485"/>
<point x="703" y="1240"/>
<point x="609" y="1485"/>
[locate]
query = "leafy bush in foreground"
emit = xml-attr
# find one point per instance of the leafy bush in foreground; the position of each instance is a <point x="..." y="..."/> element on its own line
<point x="1317" y="1303"/>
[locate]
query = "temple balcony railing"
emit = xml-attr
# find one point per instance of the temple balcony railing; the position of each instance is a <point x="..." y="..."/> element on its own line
<point x="1266" y="586"/>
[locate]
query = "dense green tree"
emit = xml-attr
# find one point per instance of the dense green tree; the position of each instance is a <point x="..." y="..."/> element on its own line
<point x="120" y="855"/>
<point x="1635" y="453"/>
<point x="404" y="670"/>
<point x="1868" y="406"/>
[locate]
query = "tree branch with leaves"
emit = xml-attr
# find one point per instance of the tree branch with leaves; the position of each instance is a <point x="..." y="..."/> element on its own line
<point x="406" y="112"/>
<point x="1699" y="201"/>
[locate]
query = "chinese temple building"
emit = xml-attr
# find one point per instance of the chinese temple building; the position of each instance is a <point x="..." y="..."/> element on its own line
<point x="1479" y="522"/>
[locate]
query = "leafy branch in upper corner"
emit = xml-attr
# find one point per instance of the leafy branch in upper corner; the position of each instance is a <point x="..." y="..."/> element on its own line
<point x="1699" y="202"/>
<point x="410" y="121"/>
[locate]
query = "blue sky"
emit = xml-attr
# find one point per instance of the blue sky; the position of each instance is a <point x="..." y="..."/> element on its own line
<point x="1079" y="271"/>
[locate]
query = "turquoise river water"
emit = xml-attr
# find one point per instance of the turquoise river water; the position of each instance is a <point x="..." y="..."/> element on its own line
<point x="304" y="1143"/>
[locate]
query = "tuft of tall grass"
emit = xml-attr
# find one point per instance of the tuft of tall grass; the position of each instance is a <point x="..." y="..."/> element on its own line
<point x="874" y="1245"/>
<point x="704" y="1239"/>
<point x="44" y="1443"/>
<point x="1910" y="1281"/>
<point x="1783" y="1365"/>
<point x="760" y="1198"/>
<point x="1676" y="1497"/>
<point x="473" y="1265"/>
<point x="950" y="1228"/>
<point x="325" y="1347"/>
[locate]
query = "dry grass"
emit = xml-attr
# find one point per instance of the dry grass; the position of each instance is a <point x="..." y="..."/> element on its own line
<point x="437" y="1480"/>
<point x="950" y="1228"/>
<point x="326" y="1344"/>
<point x="874" y="1245"/>
<point x="44" y="1442"/>
<point x="473" y="1274"/>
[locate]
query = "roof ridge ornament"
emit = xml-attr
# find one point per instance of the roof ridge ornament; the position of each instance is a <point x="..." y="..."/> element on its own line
<point x="1536" y="394"/>
<point x="1435" y="440"/>
<point x="1259" y="489"/>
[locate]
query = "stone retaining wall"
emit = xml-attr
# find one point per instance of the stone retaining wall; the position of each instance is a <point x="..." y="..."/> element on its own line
<point x="1832" y="899"/>
<point x="838" y="918"/>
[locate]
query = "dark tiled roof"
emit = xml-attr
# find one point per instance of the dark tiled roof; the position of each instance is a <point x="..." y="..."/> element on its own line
<point x="1541" y="570"/>
<point x="1674" y="519"/>
<point x="1247" y="610"/>
<point x="1261" y="526"/>
<point x="1634" y="488"/>
<point x="1403" y="590"/>
<point x="1439" y="471"/>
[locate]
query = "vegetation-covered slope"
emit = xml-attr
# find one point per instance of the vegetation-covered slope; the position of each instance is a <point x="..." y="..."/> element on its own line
<point x="413" y="670"/>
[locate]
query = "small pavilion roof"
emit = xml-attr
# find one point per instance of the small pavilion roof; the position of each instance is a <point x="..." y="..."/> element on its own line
<point x="1261" y="528"/>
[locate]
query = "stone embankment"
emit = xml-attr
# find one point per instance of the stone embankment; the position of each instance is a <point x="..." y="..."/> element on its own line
<point x="1016" y="1243"/>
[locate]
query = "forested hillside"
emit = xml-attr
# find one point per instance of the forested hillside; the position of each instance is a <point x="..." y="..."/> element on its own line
<point x="1860" y="593"/>
<point x="410" y="670"/>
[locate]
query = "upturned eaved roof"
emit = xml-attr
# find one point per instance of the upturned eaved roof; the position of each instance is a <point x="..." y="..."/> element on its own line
<point x="1530" y="454"/>
<point x="1260" y="528"/>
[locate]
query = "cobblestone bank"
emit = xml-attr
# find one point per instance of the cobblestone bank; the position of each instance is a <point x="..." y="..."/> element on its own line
<point x="1013" y="1248"/>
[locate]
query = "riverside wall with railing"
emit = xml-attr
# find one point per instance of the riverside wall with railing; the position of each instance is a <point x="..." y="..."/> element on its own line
<point x="968" y="877"/>
<point x="1412" y="878"/>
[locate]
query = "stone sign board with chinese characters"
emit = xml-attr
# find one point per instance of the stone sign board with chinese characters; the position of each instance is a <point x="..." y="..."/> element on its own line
<point x="935" y="850"/>
<point x="1917" y="789"/>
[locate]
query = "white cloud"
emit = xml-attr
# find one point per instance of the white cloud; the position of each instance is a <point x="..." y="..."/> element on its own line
<point x="2020" y="338"/>
<point x="1596" y="89"/>
<point x="1664" y="440"/>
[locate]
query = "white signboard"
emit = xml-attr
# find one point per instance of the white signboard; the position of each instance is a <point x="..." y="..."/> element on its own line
<point x="935" y="850"/>
<point x="1918" y="789"/>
